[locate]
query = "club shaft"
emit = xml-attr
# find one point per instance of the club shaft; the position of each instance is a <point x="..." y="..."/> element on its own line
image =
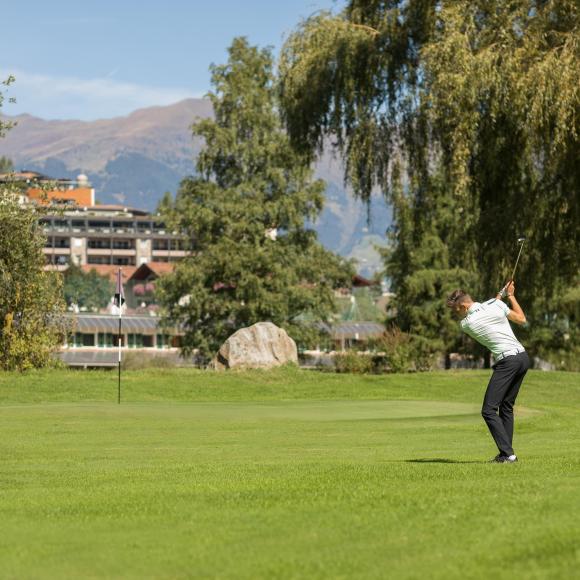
<point x="517" y="260"/>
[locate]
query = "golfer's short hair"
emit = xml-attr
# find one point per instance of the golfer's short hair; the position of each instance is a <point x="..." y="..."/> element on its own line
<point x="458" y="297"/>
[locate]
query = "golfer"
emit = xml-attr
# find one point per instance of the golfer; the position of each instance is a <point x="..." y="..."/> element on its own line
<point x="488" y="324"/>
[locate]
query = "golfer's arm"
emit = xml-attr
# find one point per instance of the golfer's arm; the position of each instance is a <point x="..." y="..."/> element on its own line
<point x="516" y="313"/>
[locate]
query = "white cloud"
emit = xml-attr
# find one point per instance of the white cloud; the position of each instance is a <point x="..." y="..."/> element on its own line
<point x="53" y="97"/>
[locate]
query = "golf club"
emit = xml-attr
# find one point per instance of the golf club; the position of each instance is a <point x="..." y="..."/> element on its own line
<point x="521" y="241"/>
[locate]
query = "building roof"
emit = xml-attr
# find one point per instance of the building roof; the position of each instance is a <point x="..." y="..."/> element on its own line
<point x="353" y="330"/>
<point x="110" y="323"/>
<point x="110" y="271"/>
<point x="360" y="330"/>
<point x="155" y="269"/>
<point x="32" y="177"/>
<point x="107" y="210"/>
<point x="359" y="281"/>
<point x="25" y="175"/>
<point x="114" y="207"/>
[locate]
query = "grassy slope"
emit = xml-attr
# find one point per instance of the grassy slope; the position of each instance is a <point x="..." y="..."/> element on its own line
<point x="288" y="474"/>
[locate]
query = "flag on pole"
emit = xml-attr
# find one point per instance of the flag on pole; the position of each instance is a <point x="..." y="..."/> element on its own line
<point x="119" y="298"/>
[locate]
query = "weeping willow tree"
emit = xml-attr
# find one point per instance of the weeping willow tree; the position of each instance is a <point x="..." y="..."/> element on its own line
<point x="466" y="115"/>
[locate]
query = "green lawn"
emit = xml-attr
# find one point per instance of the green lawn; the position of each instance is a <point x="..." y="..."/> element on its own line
<point x="289" y="474"/>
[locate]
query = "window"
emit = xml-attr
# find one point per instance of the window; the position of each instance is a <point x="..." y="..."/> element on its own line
<point x="99" y="244"/>
<point x="123" y="261"/>
<point x="143" y="226"/>
<point x="160" y="244"/>
<point x="62" y="242"/>
<point x="135" y="340"/>
<point x="99" y="260"/>
<point x="147" y="341"/>
<point x="84" y="339"/>
<point x="105" y="340"/>
<point x="99" y="224"/>
<point x="123" y="244"/>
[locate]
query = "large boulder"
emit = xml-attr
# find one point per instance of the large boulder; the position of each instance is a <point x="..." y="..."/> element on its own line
<point x="261" y="346"/>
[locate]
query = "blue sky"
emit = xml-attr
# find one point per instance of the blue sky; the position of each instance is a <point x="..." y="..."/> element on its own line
<point x="95" y="59"/>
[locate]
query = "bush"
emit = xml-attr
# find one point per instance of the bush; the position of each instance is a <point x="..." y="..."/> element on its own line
<point x="398" y="350"/>
<point x="404" y="352"/>
<point x="354" y="362"/>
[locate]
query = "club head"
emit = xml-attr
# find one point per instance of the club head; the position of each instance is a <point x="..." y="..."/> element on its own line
<point x="521" y="239"/>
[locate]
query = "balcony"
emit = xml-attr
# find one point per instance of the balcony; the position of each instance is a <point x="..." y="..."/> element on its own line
<point x="169" y="253"/>
<point x="109" y="252"/>
<point x="62" y="251"/>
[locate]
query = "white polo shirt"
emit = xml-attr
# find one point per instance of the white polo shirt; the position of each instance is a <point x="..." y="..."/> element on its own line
<point x="488" y="324"/>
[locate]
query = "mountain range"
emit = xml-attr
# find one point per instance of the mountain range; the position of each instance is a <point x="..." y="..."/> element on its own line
<point x="134" y="160"/>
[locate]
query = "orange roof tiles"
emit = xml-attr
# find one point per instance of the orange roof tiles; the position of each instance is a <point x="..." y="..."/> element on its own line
<point x="110" y="271"/>
<point x="80" y="196"/>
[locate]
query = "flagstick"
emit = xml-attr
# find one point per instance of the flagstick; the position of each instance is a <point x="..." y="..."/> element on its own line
<point x="119" y="386"/>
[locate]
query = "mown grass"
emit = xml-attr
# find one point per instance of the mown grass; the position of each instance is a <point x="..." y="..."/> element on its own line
<point x="287" y="474"/>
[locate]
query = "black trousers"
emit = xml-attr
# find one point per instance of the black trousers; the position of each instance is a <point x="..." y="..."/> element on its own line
<point x="498" y="403"/>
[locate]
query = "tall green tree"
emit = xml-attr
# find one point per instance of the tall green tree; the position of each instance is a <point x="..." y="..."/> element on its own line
<point x="31" y="304"/>
<point x="86" y="289"/>
<point x="252" y="257"/>
<point x="466" y="114"/>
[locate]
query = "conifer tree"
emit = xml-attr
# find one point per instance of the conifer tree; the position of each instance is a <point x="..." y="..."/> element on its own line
<point x="244" y="215"/>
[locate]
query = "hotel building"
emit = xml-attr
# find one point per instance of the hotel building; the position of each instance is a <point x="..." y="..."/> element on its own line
<point x="86" y="233"/>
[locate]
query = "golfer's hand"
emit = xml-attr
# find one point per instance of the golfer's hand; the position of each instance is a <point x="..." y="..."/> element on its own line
<point x="501" y="294"/>
<point x="510" y="288"/>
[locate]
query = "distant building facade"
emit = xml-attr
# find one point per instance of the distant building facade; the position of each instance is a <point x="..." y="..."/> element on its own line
<point x="79" y="231"/>
<point x="108" y="235"/>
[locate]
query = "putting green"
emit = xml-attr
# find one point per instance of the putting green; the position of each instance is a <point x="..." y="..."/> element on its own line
<point x="279" y="410"/>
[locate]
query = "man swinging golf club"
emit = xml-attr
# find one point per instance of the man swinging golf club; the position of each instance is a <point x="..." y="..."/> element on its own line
<point x="488" y="324"/>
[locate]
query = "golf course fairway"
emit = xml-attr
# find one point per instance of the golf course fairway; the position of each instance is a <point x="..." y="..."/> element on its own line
<point x="285" y="474"/>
